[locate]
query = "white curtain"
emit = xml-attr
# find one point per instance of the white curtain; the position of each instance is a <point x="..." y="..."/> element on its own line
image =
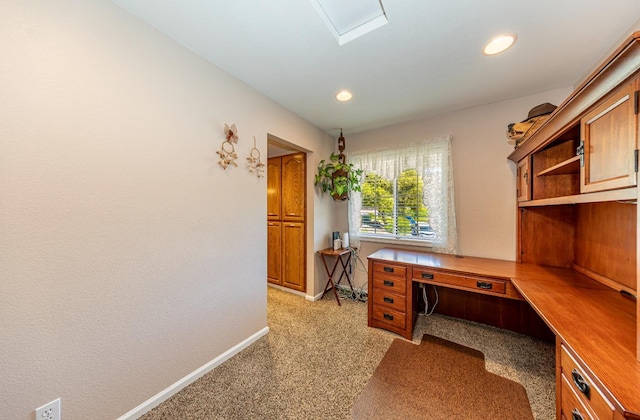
<point x="432" y="159"/>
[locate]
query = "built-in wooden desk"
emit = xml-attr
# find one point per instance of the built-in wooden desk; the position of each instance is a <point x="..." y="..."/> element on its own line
<point x="595" y="326"/>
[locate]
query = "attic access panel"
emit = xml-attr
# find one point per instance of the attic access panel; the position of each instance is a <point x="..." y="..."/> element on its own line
<point x="350" y="19"/>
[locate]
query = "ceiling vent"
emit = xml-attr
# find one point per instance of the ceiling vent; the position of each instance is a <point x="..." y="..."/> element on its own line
<point x="350" y="19"/>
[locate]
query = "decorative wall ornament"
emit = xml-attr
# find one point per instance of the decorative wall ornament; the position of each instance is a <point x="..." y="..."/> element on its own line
<point x="253" y="161"/>
<point x="227" y="152"/>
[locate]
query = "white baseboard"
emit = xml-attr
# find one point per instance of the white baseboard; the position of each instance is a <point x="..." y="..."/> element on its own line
<point x="162" y="396"/>
<point x="286" y="289"/>
<point x="313" y="298"/>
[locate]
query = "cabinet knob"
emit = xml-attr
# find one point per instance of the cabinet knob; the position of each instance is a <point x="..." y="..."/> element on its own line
<point x="388" y="283"/>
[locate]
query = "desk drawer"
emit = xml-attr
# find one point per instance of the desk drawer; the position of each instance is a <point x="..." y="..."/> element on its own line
<point x="382" y="297"/>
<point x="390" y="269"/>
<point x="583" y="387"/>
<point x="389" y="316"/>
<point x="385" y="284"/>
<point x="572" y="408"/>
<point x="473" y="283"/>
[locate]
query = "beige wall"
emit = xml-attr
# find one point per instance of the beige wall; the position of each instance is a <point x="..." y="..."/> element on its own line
<point x="484" y="178"/>
<point x="128" y="257"/>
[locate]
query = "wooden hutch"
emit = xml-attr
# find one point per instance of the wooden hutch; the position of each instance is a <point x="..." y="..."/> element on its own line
<point x="577" y="252"/>
<point x="577" y="209"/>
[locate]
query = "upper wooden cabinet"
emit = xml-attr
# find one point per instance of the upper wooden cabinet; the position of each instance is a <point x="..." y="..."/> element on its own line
<point x="274" y="188"/>
<point x="523" y="180"/>
<point x="293" y="191"/>
<point x="609" y="141"/>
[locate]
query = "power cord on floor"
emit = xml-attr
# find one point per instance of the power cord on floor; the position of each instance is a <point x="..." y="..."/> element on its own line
<point x="426" y="300"/>
<point x="358" y="294"/>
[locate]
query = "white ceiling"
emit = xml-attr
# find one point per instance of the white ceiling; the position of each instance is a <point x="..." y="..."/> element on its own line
<point x="427" y="60"/>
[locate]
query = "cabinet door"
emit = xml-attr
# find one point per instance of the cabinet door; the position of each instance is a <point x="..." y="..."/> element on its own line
<point x="293" y="191"/>
<point x="524" y="180"/>
<point x="293" y="262"/>
<point x="274" y="252"/>
<point x="274" y="188"/>
<point x="609" y="135"/>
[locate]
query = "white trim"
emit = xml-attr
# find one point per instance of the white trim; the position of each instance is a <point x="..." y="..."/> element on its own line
<point x="286" y="289"/>
<point x="167" y="393"/>
<point x="313" y="298"/>
<point x="397" y="241"/>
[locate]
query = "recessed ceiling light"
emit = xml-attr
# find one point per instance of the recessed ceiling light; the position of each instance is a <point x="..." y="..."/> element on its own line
<point x="344" y="96"/>
<point x="499" y="44"/>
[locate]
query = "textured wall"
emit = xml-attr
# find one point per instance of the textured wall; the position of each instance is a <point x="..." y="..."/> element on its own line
<point x="128" y="258"/>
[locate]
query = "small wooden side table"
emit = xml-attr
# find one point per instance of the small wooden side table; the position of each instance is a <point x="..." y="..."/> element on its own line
<point x="338" y="254"/>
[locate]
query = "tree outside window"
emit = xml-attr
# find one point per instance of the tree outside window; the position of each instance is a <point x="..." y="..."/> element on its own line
<point x="395" y="207"/>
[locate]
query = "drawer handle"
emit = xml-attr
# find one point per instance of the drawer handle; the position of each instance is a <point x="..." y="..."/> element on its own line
<point x="388" y="317"/>
<point x="575" y="415"/>
<point x="388" y="299"/>
<point x="427" y="276"/>
<point x="388" y="269"/>
<point x="582" y="385"/>
<point x="388" y="283"/>
<point x="484" y="285"/>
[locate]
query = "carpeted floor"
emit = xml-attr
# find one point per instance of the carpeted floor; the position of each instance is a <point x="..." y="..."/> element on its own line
<point x="318" y="357"/>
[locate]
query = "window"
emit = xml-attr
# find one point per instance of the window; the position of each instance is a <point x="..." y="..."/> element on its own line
<point x="407" y="196"/>
<point x="394" y="207"/>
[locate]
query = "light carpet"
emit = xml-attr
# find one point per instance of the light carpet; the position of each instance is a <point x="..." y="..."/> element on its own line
<point x="318" y="357"/>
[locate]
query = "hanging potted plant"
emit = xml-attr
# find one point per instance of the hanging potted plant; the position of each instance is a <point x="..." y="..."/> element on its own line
<point x="338" y="178"/>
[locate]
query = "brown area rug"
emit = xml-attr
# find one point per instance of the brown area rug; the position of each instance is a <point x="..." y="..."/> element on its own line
<point x="438" y="379"/>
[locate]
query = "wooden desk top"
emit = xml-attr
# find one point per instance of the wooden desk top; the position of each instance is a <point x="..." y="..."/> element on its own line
<point x="596" y="322"/>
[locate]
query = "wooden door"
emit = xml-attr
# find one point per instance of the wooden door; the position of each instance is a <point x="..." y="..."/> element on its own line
<point x="609" y="136"/>
<point x="274" y="252"/>
<point x="274" y="188"/>
<point x="293" y="190"/>
<point x="524" y="180"/>
<point x="293" y="256"/>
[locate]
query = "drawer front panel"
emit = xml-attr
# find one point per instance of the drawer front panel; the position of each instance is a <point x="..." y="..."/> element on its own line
<point x="474" y="283"/>
<point x="388" y="284"/>
<point x="572" y="408"/>
<point x="389" y="316"/>
<point x="584" y="388"/>
<point x="390" y="269"/>
<point x="382" y="297"/>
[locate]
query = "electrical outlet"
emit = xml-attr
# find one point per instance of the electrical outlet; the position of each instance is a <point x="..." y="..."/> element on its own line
<point x="49" y="411"/>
